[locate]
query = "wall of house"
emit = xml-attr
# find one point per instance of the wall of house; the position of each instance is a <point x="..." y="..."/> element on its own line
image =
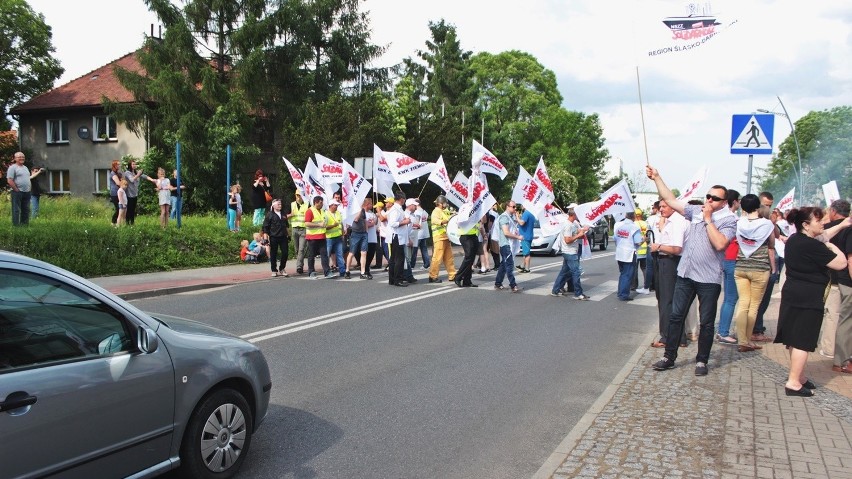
<point x="79" y="156"/>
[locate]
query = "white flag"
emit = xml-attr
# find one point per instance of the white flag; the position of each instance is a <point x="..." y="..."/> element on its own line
<point x="541" y="175"/>
<point x="490" y="163"/>
<point x="552" y="220"/>
<point x="619" y="199"/>
<point x="383" y="180"/>
<point x="439" y="175"/>
<point x="314" y="186"/>
<point x="831" y="192"/>
<point x="298" y="178"/>
<point x="481" y="202"/>
<point x="405" y="168"/>
<point x="531" y="193"/>
<point x="694" y="185"/>
<point x="458" y="192"/>
<point x="354" y="189"/>
<point x="330" y="170"/>
<point x="785" y="204"/>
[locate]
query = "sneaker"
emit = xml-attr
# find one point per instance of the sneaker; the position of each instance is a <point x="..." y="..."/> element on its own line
<point x="283" y="273"/>
<point x="349" y="276"/>
<point x="825" y="355"/>
<point x="436" y="280"/>
<point x="300" y="271"/>
<point x="369" y="276"/>
<point x="313" y="275"/>
<point x="643" y="291"/>
<point x="582" y="297"/>
<point x="275" y="274"/>
<point x="516" y="289"/>
<point x="329" y="275"/>
<point x="700" y="369"/>
<point x="663" y="364"/>
<point x="725" y="339"/>
<point x="524" y="270"/>
<point x="363" y="276"/>
<point x="499" y="287"/>
<point x="555" y="295"/>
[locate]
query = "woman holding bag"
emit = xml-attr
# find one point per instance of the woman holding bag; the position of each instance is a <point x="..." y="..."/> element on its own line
<point x="260" y="196"/>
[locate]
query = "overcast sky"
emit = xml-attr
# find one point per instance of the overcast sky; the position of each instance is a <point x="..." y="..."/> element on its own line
<point x="798" y="50"/>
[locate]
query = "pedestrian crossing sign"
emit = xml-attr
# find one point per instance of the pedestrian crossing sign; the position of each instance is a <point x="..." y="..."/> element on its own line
<point x="752" y="134"/>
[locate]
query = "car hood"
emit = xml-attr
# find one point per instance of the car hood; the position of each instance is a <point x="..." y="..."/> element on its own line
<point x="189" y="326"/>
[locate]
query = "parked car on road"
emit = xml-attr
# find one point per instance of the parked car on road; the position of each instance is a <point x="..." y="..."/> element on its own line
<point x="91" y="387"/>
<point x="598" y="235"/>
<point x="543" y="244"/>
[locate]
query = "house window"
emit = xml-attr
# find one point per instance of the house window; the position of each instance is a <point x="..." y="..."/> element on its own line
<point x="102" y="179"/>
<point x="104" y="127"/>
<point x="57" y="131"/>
<point x="60" y="181"/>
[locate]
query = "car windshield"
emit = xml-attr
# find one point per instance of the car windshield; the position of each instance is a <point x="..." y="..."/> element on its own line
<point x="537" y="224"/>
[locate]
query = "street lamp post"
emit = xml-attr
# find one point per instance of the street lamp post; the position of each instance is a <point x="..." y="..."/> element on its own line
<point x="799" y="175"/>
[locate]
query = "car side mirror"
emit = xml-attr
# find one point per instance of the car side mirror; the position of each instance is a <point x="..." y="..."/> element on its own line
<point x="148" y="340"/>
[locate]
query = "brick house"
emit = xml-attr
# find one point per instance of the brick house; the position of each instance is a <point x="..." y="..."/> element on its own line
<point x="67" y="131"/>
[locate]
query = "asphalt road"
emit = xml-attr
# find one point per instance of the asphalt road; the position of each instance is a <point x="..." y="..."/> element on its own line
<point x="374" y="381"/>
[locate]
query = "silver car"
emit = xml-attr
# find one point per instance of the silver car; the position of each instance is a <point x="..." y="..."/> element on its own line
<point x="90" y="386"/>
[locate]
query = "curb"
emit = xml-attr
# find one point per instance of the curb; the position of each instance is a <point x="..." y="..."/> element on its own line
<point x="150" y="293"/>
<point x="558" y="456"/>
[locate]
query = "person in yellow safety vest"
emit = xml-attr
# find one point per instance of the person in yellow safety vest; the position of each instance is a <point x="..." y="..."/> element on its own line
<point x="315" y="227"/>
<point x="442" y="248"/>
<point x="470" y="244"/>
<point x="298" y="208"/>
<point x="334" y="235"/>
<point x="641" y="255"/>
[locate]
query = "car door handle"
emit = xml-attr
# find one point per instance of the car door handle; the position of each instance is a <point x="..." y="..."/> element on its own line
<point x="17" y="400"/>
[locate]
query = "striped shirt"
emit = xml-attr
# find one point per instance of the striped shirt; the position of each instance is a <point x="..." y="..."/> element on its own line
<point x="700" y="261"/>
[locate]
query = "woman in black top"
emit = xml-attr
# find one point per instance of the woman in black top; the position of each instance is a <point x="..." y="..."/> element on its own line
<point x="808" y="257"/>
<point x="258" y="196"/>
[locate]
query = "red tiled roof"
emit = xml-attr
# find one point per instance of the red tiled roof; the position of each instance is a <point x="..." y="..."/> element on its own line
<point x="86" y="91"/>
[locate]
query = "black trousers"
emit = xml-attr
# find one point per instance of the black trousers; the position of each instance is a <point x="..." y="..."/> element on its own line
<point x="396" y="266"/>
<point x="665" y="275"/>
<point x="131" y="209"/>
<point x="276" y="242"/>
<point x="371" y="252"/>
<point x="470" y="245"/>
<point x="317" y="246"/>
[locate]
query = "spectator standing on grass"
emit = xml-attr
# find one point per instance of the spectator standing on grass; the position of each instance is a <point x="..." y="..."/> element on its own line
<point x="164" y="188"/>
<point x="259" y="190"/>
<point x="132" y="175"/>
<point x="18" y="179"/>
<point x="176" y="199"/>
<point x="802" y="307"/>
<point x="35" y="192"/>
<point x="122" y="203"/>
<point x="275" y="230"/>
<point x="114" y="182"/>
<point x="711" y="227"/>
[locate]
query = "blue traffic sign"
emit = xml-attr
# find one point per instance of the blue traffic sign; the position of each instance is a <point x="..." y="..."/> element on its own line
<point x="752" y="134"/>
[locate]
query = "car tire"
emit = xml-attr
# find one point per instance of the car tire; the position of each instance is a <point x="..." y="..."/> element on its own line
<point x="217" y="437"/>
<point x="604" y="243"/>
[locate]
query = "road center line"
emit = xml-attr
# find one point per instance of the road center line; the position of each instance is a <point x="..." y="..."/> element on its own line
<point x="334" y="317"/>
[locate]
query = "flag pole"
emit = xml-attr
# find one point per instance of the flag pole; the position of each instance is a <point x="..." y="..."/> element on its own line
<point x="642" y="114"/>
<point x="424" y="187"/>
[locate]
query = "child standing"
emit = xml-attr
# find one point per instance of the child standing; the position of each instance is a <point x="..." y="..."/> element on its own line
<point x="122" y="203"/>
<point x="232" y="208"/>
<point x="239" y="207"/>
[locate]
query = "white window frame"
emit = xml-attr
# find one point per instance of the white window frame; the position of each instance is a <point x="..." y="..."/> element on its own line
<point x="107" y="119"/>
<point x="62" y="124"/>
<point x="63" y="188"/>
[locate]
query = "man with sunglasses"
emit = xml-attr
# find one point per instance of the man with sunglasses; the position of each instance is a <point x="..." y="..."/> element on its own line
<point x="699" y="273"/>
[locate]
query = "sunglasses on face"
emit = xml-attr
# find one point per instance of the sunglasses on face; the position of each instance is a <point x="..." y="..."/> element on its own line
<point x="714" y="198"/>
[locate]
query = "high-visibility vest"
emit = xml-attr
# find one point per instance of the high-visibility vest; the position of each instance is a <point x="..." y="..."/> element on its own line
<point x="439" y="230"/>
<point x="334" y="221"/>
<point x="318" y="217"/>
<point x="643" y="249"/>
<point x="298" y="218"/>
<point x="472" y="231"/>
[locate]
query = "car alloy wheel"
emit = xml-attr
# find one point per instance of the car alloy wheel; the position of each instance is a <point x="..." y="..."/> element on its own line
<point x="218" y="435"/>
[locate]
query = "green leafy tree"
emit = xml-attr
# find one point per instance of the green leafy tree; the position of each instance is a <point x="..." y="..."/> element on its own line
<point x="825" y="144"/>
<point x="26" y="55"/>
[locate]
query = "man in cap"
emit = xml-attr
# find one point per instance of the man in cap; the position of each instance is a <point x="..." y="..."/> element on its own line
<point x="627" y="238"/>
<point x="414" y="225"/>
<point x="334" y="235"/>
<point x="315" y="228"/>
<point x="442" y="248"/>
<point x="298" y="208"/>
<point x="641" y="255"/>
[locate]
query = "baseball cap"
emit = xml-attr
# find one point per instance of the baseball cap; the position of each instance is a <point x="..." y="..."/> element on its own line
<point x="638" y="211"/>
<point x="411" y="201"/>
<point x="572" y="206"/>
<point x="380" y="205"/>
<point x="334" y="203"/>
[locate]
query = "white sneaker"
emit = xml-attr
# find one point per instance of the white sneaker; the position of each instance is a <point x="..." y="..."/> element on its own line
<point x="823" y="354"/>
<point x="643" y="291"/>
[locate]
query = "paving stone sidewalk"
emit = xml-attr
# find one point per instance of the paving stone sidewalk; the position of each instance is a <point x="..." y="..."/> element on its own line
<point x="734" y="423"/>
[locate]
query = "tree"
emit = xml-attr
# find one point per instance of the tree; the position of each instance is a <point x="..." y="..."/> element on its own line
<point x="825" y="144"/>
<point x="26" y="55"/>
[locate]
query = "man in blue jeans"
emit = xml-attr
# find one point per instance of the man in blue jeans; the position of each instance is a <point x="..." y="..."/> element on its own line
<point x="507" y="231"/>
<point x="526" y="224"/>
<point x="699" y="273"/>
<point x="177" y="196"/>
<point x="731" y="296"/>
<point x="627" y="237"/>
<point x="571" y="239"/>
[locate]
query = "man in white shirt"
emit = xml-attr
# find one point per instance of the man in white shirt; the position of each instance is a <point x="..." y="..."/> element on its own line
<point x="651" y="221"/>
<point x="398" y="226"/>
<point x="669" y="231"/>
<point x="628" y="237"/>
<point x="570" y="241"/>
<point x="421" y="243"/>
